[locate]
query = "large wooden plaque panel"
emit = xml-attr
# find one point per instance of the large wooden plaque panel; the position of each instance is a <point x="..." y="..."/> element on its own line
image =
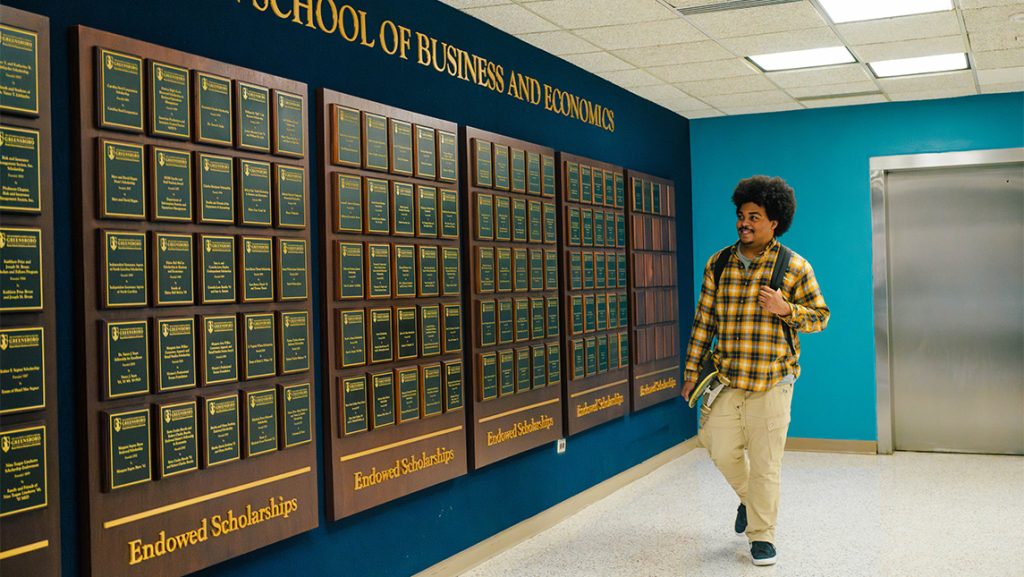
<point x="29" y="483"/>
<point x="195" y="317"/>
<point x="394" y="376"/>
<point x="595" y="306"/>
<point x="654" y="294"/>
<point x="515" y="357"/>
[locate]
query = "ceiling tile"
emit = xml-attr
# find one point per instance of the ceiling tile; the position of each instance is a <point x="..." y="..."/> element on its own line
<point x="818" y="76"/>
<point x="706" y="113"/>
<point x="902" y="28"/>
<point x="630" y="78"/>
<point x="671" y="31"/>
<point x="725" y="86"/>
<point x="511" y="19"/>
<point x="910" y="48"/>
<point x="764" y="20"/>
<point x="674" y="54"/>
<point x="996" y="40"/>
<point x="833" y="89"/>
<point x="669" y="96"/>
<point x="998" y="59"/>
<point x="1001" y="76"/>
<point x="591" y="13"/>
<point x="761" y="98"/>
<point x="597" y="62"/>
<point x="998" y="88"/>
<point x="693" y="3"/>
<point x="931" y="94"/>
<point x="994" y="17"/>
<point x="782" y="41"/>
<point x="559" y="42"/>
<point x="704" y="70"/>
<point x="966" y="4"/>
<point x="929" y="82"/>
<point x="460" y="4"/>
<point x="760" y="109"/>
<point x="847" y="101"/>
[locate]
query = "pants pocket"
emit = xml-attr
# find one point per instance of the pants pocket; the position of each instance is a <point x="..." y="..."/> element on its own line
<point x="778" y="429"/>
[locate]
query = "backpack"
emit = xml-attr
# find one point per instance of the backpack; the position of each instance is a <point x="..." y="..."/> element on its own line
<point x="778" y="274"/>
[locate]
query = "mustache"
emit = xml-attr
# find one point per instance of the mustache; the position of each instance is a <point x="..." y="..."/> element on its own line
<point x="743" y="229"/>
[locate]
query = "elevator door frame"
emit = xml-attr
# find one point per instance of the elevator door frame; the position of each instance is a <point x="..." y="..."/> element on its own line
<point x="880" y="168"/>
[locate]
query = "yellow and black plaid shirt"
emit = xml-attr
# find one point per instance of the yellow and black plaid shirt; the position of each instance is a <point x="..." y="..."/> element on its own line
<point x="752" y="352"/>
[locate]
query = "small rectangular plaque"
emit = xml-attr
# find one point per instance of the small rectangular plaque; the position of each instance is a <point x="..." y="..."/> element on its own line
<point x="507" y="372"/>
<point x="449" y="214"/>
<point x="408" y="332"/>
<point x="378" y="270"/>
<point x="483" y="164"/>
<point x="523" y="372"/>
<point x="217" y="269"/>
<point x="215" y="181"/>
<point x="538" y="356"/>
<point x="222" y="430"/>
<point x="378" y="210"/>
<point x="296" y="415"/>
<point x="122" y="183"/>
<point x="289" y="196"/>
<point x="352" y="338"/>
<point x="518" y="170"/>
<point x="535" y="222"/>
<point x="428" y="272"/>
<point x="548" y="173"/>
<point x="292" y="277"/>
<point x="383" y="389"/>
<point x="260" y="421"/>
<point x="353" y="398"/>
<point x="522" y="313"/>
<point x="586" y="185"/>
<point x="519" y="220"/>
<point x="293" y="329"/>
<point x="381" y="341"/>
<point x="178" y="433"/>
<point x="502" y="219"/>
<point x="537" y="318"/>
<point x="521" y="269"/>
<point x="126" y="350"/>
<point x="503" y="260"/>
<point x="22" y="369"/>
<point x="175" y="354"/>
<point x="487" y="323"/>
<point x="488" y="363"/>
<point x="573" y="177"/>
<point x="453" y="398"/>
<point x="172" y="263"/>
<point x="259" y="346"/>
<point x="253" y="126"/>
<point x="254" y="189"/>
<point x="289" y="124"/>
<point x="349" y="264"/>
<point x="408" y="394"/>
<point x="375" y="142"/>
<point x="537" y="269"/>
<point x="431" y="390"/>
<point x="219" y="346"/>
<point x="533" y="175"/>
<point x="447" y="156"/>
<point x="403" y="215"/>
<point x="451" y="271"/>
<point x="120" y="89"/>
<point x="405" y="271"/>
<point x="257" y="268"/>
<point x="400" y="147"/>
<point x="506" y="322"/>
<point x="552" y="314"/>
<point x="124" y="269"/>
<point x="171" y="184"/>
<point x="19" y="61"/>
<point x="426" y="204"/>
<point x="430" y="330"/>
<point x="554" y="364"/>
<point x="426" y="153"/>
<point x="213" y="109"/>
<point x="485" y="269"/>
<point x="452" y="328"/>
<point x="23" y="472"/>
<point x="128" y="454"/>
<point x="501" y="167"/>
<point x="346" y="146"/>
<point x="551" y="270"/>
<point x="484" y="217"/>
<point x="20" y="171"/>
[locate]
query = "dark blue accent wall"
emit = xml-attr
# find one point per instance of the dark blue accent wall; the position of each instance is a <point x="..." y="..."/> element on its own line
<point x="413" y="533"/>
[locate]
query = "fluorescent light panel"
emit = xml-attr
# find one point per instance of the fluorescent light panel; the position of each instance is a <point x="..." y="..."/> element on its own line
<point x="857" y="10"/>
<point x="920" y="65"/>
<point x="803" y="59"/>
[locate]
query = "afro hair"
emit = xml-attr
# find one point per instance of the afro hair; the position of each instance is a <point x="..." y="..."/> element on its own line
<point x="773" y="194"/>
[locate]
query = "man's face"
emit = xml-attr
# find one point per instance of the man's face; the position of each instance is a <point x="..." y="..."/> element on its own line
<point x="753" y="225"/>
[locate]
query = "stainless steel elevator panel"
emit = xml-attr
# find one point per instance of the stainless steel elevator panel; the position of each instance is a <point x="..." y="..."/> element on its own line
<point x="956" y="308"/>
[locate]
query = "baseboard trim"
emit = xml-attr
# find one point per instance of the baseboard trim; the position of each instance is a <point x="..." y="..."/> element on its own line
<point x="803" y="444"/>
<point x="492" y="546"/>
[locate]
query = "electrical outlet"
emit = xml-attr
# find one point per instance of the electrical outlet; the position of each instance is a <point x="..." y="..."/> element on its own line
<point x="561" y="446"/>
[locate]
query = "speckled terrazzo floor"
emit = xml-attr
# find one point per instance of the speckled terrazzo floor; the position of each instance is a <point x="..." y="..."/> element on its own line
<point x="908" y="514"/>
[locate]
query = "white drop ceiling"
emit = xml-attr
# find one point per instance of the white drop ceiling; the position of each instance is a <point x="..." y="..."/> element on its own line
<point x="696" y="66"/>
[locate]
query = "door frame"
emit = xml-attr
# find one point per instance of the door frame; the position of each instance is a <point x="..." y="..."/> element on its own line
<point x="880" y="167"/>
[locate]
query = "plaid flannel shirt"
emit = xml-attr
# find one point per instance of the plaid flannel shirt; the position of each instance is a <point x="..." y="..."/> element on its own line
<point x="752" y="352"/>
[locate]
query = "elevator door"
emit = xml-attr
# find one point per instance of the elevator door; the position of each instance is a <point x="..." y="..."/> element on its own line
<point x="956" y="286"/>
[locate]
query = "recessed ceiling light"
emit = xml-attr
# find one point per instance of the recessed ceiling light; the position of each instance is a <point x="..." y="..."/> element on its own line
<point x="803" y="58"/>
<point x="920" y="65"/>
<point x="856" y="10"/>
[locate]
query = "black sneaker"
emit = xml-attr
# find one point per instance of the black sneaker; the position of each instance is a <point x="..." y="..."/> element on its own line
<point x="762" y="553"/>
<point x="741" y="520"/>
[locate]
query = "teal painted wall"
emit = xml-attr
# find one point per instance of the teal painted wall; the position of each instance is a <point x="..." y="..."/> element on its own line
<point x="824" y="156"/>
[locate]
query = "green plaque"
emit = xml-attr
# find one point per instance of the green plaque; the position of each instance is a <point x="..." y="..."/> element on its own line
<point x="575" y="271"/>
<point x="253" y="116"/>
<point x="591" y="347"/>
<point x="22" y="370"/>
<point x="554" y="364"/>
<point x="506" y="322"/>
<point x="257" y="269"/>
<point x="296" y="415"/>
<point x="576" y="309"/>
<point x="22" y="465"/>
<point x="408" y="332"/>
<point x="221" y="439"/>
<point x="503" y="259"/>
<point x="536" y="227"/>
<point x="122" y="179"/>
<point x="598" y="186"/>
<point x="602" y="354"/>
<point x="487" y="323"/>
<point x="521" y="269"/>
<point x="426" y="153"/>
<point x="537" y="318"/>
<point x="552" y="321"/>
<point x="349" y="264"/>
<point x="408" y="394"/>
<point x="598" y="228"/>
<point x="656" y="198"/>
<point x="453" y="399"/>
<point x="178" y="433"/>
<point x="587" y="219"/>
<point x="613" y="273"/>
<point x="522" y="308"/>
<point x="405" y="271"/>
<point x="348" y="202"/>
<point x="291" y="269"/>
<point x="170" y="113"/>
<point x="586" y="185"/>
<point x="447" y="156"/>
<point x="430" y="330"/>
<point x="484" y="217"/>
<point x="548" y="171"/>
<point x="354" y="417"/>
<point x="485" y="269"/>
<point x="120" y="90"/>
<point x="20" y="177"/>
<point x="289" y="124"/>
<point x="573" y="178"/>
<point x="378" y="210"/>
<point x="502" y="219"/>
<point x="378" y="269"/>
<point x="501" y="167"/>
<point x="352" y="338"/>
<point x="429" y="285"/>
<point x="600" y="277"/>
<point x="294" y="339"/>
<point x="19" y="70"/>
<point x="601" y="313"/>
<point x="620" y="192"/>
<point x="482" y="162"/>
<point x="346" y="146"/>
<point x="538" y="356"/>
<point x="124" y="269"/>
<point x="623" y="271"/>
<point x="172" y="263"/>
<point x="579" y="359"/>
<point x="590" y="313"/>
<point x="588" y="270"/>
<point x="426" y="201"/>
<point x="609" y="188"/>
<point x="403" y="221"/>
<point x="575" y="227"/>
<point x="518" y="170"/>
<point x="519" y="220"/>
<point x="217" y="266"/>
<point x="216" y="189"/>
<point x="432" y="393"/>
<point x="213" y="109"/>
<point x="507" y="372"/>
<point x="400" y="149"/>
<point x="449" y="214"/>
<point x="623" y="310"/>
<point x="488" y="376"/>
<point x="551" y="270"/>
<point x="219" y="338"/>
<point x="259" y="344"/>
<point x="550" y="223"/>
<point x="523" y="369"/>
<point x="450" y="270"/>
<point x="638" y="194"/>
<point x="383" y="387"/>
<point x="260" y="421"/>
<point x="375" y="142"/>
<point x="254" y="192"/>
<point x="452" y="328"/>
<point x="533" y="175"/>
<point x="175" y="354"/>
<point x="647" y="200"/>
<point x="290" y="196"/>
<point x="621" y="230"/>
<point x="380" y="336"/>
<point x="127" y="354"/>
<point x="171" y="184"/>
<point x="128" y="457"/>
<point x="613" y="311"/>
<point x="536" y="270"/>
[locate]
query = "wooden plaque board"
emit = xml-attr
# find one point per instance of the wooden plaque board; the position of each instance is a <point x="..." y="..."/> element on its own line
<point x="603" y="396"/>
<point x="370" y="464"/>
<point x="507" y="424"/>
<point x="274" y="494"/>
<point x="30" y="538"/>
<point x="654" y="295"/>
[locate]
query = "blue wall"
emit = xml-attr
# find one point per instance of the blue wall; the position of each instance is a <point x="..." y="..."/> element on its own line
<point x="824" y="154"/>
<point x="409" y="535"/>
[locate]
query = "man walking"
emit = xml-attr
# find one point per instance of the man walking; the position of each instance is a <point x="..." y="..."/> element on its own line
<point x="757" y="354"/>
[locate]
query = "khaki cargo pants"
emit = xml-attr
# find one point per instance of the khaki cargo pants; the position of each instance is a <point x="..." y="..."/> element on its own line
<point x="757" y="422"/>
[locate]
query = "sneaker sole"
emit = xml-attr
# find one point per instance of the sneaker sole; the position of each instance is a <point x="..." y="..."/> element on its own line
<point x="763" y="562"/>
<point x="741" y="534"/>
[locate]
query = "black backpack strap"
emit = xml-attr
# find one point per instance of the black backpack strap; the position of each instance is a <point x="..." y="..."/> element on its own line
<point x="778" y="275"/>
<point x="720" y="264"/>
